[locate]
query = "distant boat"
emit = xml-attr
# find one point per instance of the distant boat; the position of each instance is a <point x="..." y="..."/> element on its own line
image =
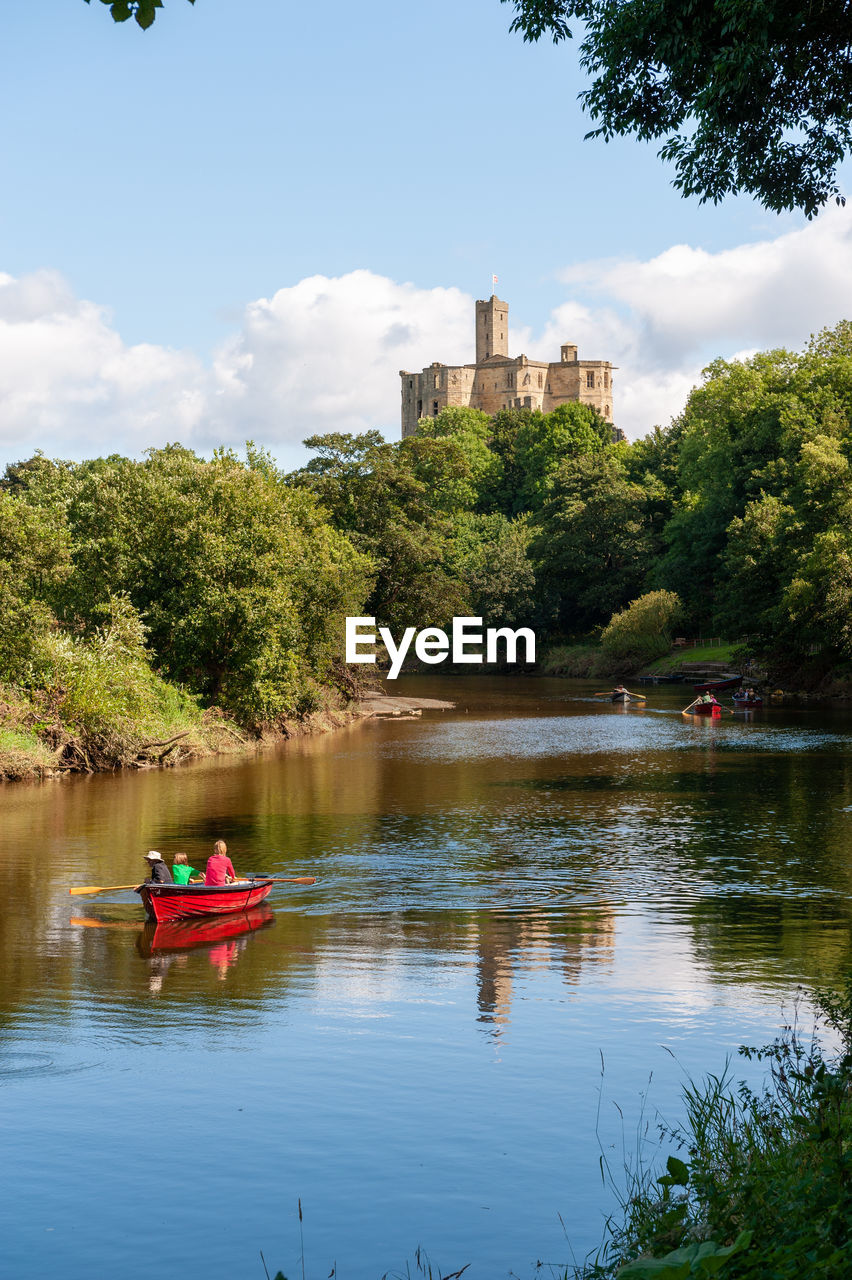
<point x="705" y="709"/>
<point x="713" y="686"/>
<point x="743" y="702"/>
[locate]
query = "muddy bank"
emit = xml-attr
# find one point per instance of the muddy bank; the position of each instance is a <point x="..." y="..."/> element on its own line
<point x="27" y="757"/>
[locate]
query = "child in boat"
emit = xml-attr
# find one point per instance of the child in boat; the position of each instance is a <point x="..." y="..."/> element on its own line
<point x="220" y="869"/>
<point x="181" y="870"/>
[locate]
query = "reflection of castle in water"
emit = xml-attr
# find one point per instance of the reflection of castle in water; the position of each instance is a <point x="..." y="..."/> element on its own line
<point x="510" y="944"/>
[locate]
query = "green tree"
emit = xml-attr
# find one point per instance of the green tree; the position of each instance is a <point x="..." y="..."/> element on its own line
<point x="543" y="441"/>
<point x="142" y="11"/>
<point x="241" y="582"/>
<point x="34" y="562"/>
<point x="392" y="501"/>
<point x="742" y="95"/>
<point x="592" y="546"/>
<point x="491" y="557"/>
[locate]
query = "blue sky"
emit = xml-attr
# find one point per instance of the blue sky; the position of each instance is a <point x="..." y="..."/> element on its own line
<point x="168" y="180"/>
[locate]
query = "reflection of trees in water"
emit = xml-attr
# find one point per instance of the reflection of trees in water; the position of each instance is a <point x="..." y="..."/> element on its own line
<point x="753" y="850"/>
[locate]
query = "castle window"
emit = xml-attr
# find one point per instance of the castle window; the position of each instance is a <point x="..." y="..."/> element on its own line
<point x="411" y="384"/>
<point x="590" y="379"/>
<point x="420" y="408"/>
<point x="606" y="379"/>
<point x="437" y="381"/>
<point x="540" y="380"/>
<point x="434" y="408"/>
<point x="606" y="410"/>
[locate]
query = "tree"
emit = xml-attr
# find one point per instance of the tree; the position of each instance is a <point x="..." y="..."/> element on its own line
<point x="592" y="545"/>
<point x="391" y="500"/>
<point x="743" y="95"/>
<point x="240" y="580"/>
<point x="143" y="11"/>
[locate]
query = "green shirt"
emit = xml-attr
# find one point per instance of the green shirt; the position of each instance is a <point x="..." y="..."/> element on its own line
<point x="181" y="872"/>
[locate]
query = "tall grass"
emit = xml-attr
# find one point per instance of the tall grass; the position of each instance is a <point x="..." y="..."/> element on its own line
<point x="763" y="1190"/>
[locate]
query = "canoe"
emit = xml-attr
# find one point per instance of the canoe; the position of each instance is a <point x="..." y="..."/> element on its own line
<point x="183" y="901"/>
<point x="713" y="686"/>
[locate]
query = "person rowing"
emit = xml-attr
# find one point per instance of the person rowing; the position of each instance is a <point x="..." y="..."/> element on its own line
<point x="158" y="872"/>
<point x="620" y="694"/>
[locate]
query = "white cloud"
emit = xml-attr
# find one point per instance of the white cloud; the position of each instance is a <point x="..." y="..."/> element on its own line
<point x="69" y="385"/>
<point x="663" y="319"/>
<point x="324" y="354"/>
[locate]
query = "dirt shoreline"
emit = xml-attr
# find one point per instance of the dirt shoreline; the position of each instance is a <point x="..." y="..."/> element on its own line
<point x="374" y="704"/>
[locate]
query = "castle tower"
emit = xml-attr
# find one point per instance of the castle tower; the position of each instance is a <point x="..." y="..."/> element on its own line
<point x="492" y="329"/>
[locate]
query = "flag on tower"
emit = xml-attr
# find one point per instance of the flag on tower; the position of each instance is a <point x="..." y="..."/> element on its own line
<point x="493" y="279"/>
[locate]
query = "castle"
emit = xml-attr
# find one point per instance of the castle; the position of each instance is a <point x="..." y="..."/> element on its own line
<point x="500" y="381"/>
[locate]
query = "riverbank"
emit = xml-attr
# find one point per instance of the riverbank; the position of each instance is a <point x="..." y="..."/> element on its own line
<point x="760" y="1185"/>
<point x="37" y="744"/>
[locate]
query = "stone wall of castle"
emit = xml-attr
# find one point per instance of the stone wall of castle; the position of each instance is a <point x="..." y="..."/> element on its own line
<point x="500" y="381"/>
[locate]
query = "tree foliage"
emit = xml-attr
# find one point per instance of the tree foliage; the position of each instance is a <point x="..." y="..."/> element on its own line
<point x="142" y="11"/>
<point x="741" y="94"/>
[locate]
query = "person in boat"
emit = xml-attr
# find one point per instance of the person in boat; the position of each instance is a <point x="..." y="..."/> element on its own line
<point x="158" y="872"/>
<point x="181" y="870"/>
<point x="220" y="869"/>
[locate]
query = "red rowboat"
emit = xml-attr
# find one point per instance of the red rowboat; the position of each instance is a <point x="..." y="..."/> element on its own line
<point x="181" y="901"/>
<point x="746" y="703"/>
<point x="712" y="709"/>
<point x="713" y="686"/>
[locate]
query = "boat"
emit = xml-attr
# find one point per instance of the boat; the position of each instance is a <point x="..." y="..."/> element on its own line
<point x="713" y="686"/>
<point x="620" y="697"/>
<point x="184" y="901"/>
<point x="744" y="703"/>
<point x="712" y="709"/>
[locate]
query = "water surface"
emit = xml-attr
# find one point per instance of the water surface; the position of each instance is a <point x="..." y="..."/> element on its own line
<point x="511" y="896"/>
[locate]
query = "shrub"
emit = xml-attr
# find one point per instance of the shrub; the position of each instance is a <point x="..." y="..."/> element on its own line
<point x="642" y="632"/>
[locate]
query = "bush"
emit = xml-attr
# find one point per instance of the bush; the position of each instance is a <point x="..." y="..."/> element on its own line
<point x="642" y="632"/>
<point x="768" y="1171"/>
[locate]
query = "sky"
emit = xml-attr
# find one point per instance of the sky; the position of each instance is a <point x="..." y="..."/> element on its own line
<point x="243" y="222"/>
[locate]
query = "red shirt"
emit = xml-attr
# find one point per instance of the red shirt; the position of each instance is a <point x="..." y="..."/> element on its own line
<point x="218" y="867"/>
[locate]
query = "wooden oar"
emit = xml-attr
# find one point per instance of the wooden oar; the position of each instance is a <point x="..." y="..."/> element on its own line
<point x="136" y="925"/>
<point x="288" y="879"/>
<point x="102" y="888"/>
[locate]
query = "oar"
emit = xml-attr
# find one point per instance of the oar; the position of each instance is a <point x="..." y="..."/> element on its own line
<point x="88" y="923"/>
<point x="102" y="888"/>
<point x="285" y="879"/>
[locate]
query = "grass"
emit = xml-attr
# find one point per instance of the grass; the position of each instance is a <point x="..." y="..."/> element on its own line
<point x="23" y="755"/>
<point x="762" y="1188"/>
<point x="704" y="653"/>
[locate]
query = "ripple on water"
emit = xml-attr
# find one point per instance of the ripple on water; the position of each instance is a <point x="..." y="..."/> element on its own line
<point x="29" y="1064"/>
<point x="596" y="734"/>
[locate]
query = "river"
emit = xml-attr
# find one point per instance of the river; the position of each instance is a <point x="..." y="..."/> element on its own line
<point x="534" y="915"/>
